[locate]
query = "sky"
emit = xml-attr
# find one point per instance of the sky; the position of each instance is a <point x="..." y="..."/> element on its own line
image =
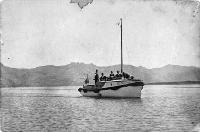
<point x="57" y="32"/>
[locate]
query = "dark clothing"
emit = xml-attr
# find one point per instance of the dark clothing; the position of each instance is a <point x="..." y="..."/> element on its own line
<point x="96" y="78"/>
<point x="112" y="75"/>
<point x="103" y="78"/>
<point x="118" y="76"/>
<point x="126" y="75"/>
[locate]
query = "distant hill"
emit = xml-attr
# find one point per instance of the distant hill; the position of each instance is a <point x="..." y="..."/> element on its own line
<point x="75" y="73"/>
<point x="174" y="83"/>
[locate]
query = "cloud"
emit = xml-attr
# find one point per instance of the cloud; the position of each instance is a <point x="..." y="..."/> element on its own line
<point x="155" y="33"/>
<point x="81" y="3"/>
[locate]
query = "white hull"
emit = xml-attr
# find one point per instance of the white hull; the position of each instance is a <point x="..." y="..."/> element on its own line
<point x="123" y="92"/>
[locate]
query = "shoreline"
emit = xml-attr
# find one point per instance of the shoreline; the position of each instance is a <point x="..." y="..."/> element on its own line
<point x="153" y="83"/>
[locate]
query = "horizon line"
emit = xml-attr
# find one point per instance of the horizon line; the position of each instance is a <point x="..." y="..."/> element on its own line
<point x="95" y="65"/>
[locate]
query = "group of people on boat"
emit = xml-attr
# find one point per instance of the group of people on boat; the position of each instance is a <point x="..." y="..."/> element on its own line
<point x="111" y="77"/>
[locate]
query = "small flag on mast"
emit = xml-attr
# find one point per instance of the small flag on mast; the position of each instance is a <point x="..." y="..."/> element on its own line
<point x="119" y="23"/>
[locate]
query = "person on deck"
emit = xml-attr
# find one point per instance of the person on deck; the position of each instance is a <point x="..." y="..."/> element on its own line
<point x="87" y="80"/>
<point x="112" y="75"/>
<point x="118" y="75"/>
<point x="96" y="77"/>
<point x="102" y="78"/>
<point x="125" y="75"/>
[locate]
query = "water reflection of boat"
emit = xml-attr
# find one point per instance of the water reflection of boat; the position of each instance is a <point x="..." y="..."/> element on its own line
<point x="123" y="87"/>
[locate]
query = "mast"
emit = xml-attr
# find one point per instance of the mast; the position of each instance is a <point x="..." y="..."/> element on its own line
<point x="121" y="47"/>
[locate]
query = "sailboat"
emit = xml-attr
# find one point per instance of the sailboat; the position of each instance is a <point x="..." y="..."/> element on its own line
<point x="125" y="87"/>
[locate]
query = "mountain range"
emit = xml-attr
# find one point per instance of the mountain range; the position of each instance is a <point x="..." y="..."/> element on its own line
<point x="75" y="74"/>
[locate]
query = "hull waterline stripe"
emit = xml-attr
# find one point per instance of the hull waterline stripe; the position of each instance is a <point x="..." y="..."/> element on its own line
<point x="96" y="90"/>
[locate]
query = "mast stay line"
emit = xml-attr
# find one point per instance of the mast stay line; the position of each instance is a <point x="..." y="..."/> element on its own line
<point x="121" y="47"/>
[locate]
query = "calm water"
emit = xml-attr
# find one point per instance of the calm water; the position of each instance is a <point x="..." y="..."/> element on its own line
<point x="62" y="109"/>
